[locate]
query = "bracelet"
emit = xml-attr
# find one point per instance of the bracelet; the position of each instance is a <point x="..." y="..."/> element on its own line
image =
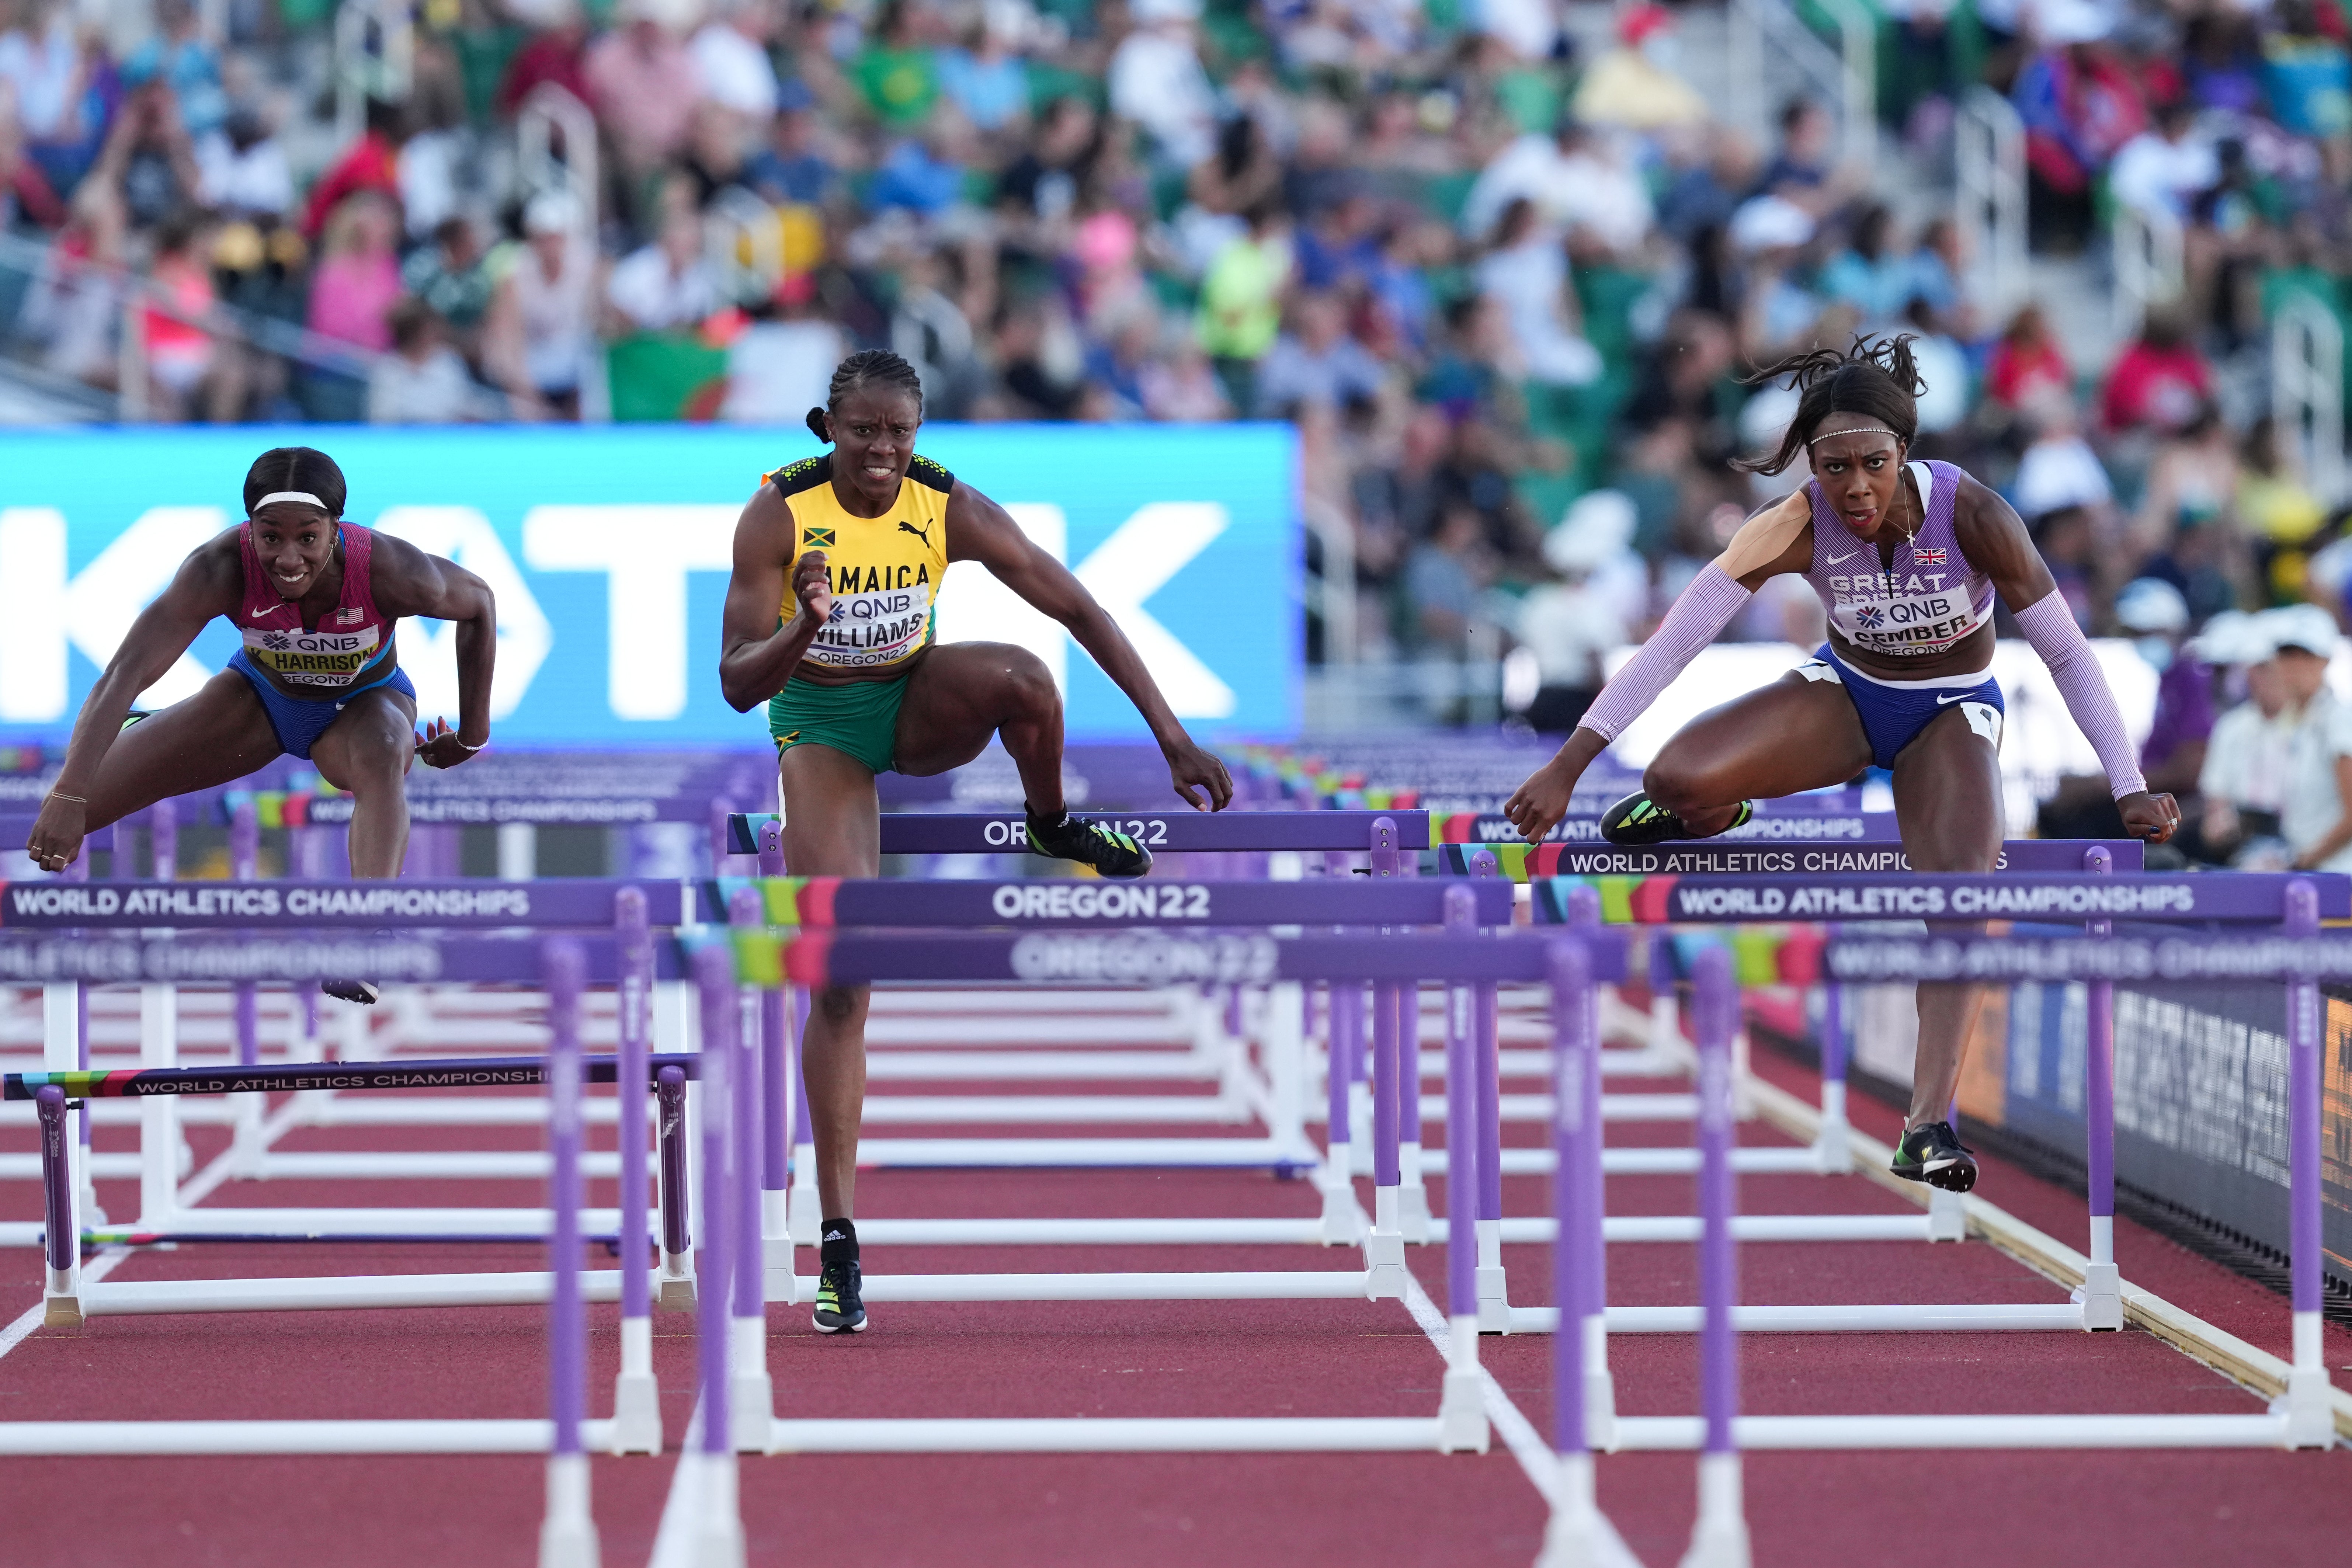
<point x="59" y="795"/>
<point x="469" y="751"/>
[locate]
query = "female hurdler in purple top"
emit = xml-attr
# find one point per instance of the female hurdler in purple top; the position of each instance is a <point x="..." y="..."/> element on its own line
<point x="1905" y="558"/>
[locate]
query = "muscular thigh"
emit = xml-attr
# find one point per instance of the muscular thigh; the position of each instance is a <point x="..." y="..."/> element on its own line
<point x="833" y="819"/>
<point x="219" y="734"/>
<point x="1793" y="735"/>
<point x="1947" y="796"/>
<point x="373" y="738"/>
<point x="953" y="704"/>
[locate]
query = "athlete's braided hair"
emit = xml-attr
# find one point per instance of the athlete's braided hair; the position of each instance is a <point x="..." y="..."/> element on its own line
<point x="302" y="469"/>
<point x="1876" y="377"/>
<point x="858" y="369"/>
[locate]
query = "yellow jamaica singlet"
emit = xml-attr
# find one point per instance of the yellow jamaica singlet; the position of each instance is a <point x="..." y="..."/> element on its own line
<point x="885" y="570"/>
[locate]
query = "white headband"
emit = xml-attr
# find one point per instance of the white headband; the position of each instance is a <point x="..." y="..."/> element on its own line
<point x="1857" y="430"/>
<point x="305" y="496"/>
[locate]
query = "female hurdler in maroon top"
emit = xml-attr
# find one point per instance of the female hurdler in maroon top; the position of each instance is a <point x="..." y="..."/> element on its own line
<point x="315" y="602"/>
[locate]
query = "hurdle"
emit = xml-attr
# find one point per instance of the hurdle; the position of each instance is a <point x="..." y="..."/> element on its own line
<point x="725" y="959"/>
<point x="2232" y="897"/>
<point x="819" y="906"/>
<point x="40" y="906"/>
<point x="566" y="1436"/>
<point x="2303" y="1415"/>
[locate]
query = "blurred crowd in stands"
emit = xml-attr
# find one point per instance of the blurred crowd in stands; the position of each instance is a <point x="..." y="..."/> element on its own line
<point x="1502" y="262"/>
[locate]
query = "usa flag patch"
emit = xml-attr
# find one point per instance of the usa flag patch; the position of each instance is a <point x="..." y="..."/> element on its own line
<point x="1929" y="557"/>
<point x="355" y="614"/>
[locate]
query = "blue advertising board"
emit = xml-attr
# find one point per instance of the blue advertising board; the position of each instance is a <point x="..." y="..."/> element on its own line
<point x="608" y="549"/>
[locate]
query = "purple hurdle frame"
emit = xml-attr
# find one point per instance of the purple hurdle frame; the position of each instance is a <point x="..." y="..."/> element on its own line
<point x="60" y="1234"/>
<point x="1462" y="1412"/>
<point x="2309" y="1400"/>
<point x="675" y="1281"/>
<point x="1395" y="1055"/>
<point x="780" y="1078"/>
<point x="636" y="1401"/>
<point x="2102" y="1292"/>
<point x="750" y="1400"/>
<point x="1412" y="1189"/>
<point x="1578" y="1534"/>
<point x="1486" y="1001"/>
<point x="1719" y="1538"/>
<point x="567" y="1534"/>
<point x="714" y="978"/>
<point x="244" y="866"/>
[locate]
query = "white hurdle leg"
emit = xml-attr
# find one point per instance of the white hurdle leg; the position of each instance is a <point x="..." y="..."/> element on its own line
<point x="1285" y="1061"/>
<point x="637" y="1398"/>
<point x="1413" y="1193"/>
<point x="161" y="1148"/>
<point x="803" y="1210"/>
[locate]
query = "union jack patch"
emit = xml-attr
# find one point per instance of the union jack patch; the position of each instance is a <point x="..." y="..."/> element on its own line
<point x="816" y="539"/>
<point x="1929" y="557"/>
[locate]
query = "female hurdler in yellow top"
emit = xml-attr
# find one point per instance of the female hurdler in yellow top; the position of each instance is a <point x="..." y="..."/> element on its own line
<point x="839" y="561"/>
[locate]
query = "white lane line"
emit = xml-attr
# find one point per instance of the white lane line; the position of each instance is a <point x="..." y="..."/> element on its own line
<point x="1518" y="1433"/>
<point x="1527" y="1445"/>
<point x="674" y="1540"/>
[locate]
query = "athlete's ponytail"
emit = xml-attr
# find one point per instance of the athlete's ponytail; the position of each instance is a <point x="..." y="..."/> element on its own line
<point x="868" y="365"/>
<point x="295" y="472"/>
<point x="1877" y="378"/>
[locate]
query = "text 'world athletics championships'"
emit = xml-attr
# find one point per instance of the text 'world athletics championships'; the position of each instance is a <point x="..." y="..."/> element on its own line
<point x="2120" y="897"/>
<point x="2086" y="958"/>
<point x="118" y="959"/>
<point x="383" y="900"/>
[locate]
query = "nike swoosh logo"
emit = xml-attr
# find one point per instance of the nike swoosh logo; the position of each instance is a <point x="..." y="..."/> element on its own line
<point x="1847" y="556"/>
<point x="1963" y="697"/>
<point x="267" y="610"/>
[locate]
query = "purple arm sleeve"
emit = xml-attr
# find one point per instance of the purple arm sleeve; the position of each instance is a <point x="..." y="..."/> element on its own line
<point x="2050" y="626"/>
<point x="1696" y="619"/>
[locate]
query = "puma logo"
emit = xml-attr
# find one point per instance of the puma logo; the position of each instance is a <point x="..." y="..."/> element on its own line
<point x="923" y="533"/>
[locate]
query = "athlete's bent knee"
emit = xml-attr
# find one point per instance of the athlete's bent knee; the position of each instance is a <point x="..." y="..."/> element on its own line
<point x="1029" y="687"/>
<point x="1679" y="784"/>
<point x="840" y="1004"/>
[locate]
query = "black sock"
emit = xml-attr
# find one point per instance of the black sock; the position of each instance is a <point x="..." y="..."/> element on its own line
<point x="839" y="1243"/>
<point x="1059" y="816"/>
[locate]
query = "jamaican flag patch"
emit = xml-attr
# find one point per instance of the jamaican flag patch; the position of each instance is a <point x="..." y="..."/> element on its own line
<point x="816" y="539"/>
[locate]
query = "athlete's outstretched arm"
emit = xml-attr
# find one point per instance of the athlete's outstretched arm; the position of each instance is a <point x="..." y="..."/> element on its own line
<point x="979" y="529"/>
<point x="206" y="584"/>
<point x="756" y="655"/>
<point x="408" y="581"/>
<point x="1774" y="540"/>
<point x="1994" y="539"/>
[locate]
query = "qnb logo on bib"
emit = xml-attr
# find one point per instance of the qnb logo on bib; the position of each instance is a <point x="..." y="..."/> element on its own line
<point x="1903" y="622"/>
<point x="880" y="626"/>
<point x="312" y="658"/>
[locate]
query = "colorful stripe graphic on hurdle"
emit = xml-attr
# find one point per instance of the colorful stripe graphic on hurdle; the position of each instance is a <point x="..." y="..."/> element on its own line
<point x="1714" y="858"/>
<point x="476" y="1072"/>
<point x="2052" y="897"/>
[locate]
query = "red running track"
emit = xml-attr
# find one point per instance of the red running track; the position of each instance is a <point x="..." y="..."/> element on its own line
<point x="1279" y="1358"/>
